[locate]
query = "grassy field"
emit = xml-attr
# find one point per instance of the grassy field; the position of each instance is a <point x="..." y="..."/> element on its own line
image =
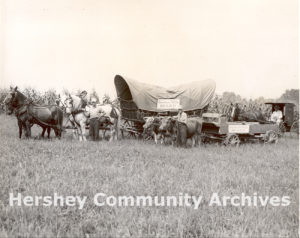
<point x="132" y="167"/>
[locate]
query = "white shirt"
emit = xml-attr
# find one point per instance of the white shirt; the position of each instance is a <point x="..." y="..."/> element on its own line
<point x="182" y="117"/>
<point x="94" y="112"/>
<point x="276" y="116"/>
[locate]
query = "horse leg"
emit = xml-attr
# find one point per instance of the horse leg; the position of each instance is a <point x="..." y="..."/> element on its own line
<point x="20" y="129"/>
<point x="79" y="133"/>
<point x="28" y="129"/>
<point x="43" y="132"/>
<point x="49" y="130"/>
<point x="162" y="138"/>
<point x="111" y="133"/>
<point x="75" y="133"/>
<point x="82" y="130"/>
<point x="155" y="138"/>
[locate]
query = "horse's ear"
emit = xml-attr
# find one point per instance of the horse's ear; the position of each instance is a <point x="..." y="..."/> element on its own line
<point x="69" y="95"/>
<point x="16" y="88"/>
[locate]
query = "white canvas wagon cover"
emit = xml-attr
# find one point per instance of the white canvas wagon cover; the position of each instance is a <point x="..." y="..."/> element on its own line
<point x="193" y="96"/>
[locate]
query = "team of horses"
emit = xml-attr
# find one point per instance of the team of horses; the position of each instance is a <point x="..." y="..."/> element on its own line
<point x="165" y="129"/>
<point x="50" y="117"/>
<point x="29" y="113"/>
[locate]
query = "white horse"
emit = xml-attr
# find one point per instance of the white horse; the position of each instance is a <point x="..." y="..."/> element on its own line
<point x="110" y="117"/>
<point x="77" y="116"/>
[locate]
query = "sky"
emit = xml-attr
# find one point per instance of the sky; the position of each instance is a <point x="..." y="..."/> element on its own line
<point x="248" y="47"/>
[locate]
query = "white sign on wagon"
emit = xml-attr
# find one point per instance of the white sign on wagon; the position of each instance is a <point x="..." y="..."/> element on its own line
<point x="238" y="128"/>
<point x="167" y="104"/>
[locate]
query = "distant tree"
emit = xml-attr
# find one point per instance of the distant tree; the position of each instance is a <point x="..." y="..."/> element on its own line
<point x="260" y="100"/>
<point x="49" y="97"/>
<point x="95" y="95"/>
<point x="3" y="93"/>
<point x="291" y="94"/>
<point x="33" y="94"/>
<point x="65" y="91"/>
<point x="231" y="97"/>
<point x="106" y="99"/>
<point x="116" y="103"/>
<point x="228" y="97"/>
<point x="77" y="91"/>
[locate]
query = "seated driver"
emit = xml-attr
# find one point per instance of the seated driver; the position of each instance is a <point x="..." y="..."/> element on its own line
<point x="276" y="115"/>
<point x="83" y="97"/>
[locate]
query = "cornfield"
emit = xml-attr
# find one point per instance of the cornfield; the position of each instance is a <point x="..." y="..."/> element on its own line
<point x="219" y="104"/>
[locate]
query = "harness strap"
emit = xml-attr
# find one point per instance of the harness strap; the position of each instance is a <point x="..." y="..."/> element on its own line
<point x="38" y="120"/>
<point x="73" y="115"/>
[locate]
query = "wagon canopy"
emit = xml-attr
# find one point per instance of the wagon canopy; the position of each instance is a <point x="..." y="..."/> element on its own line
<point x="193" y="96"/>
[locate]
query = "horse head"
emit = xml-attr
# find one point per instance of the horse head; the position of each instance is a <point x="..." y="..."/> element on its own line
<point x="14" y="99"/>
<point x="72" y="104"/>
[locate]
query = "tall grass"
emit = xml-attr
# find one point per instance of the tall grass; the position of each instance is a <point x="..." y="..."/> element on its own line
<point x="132" y="167"/>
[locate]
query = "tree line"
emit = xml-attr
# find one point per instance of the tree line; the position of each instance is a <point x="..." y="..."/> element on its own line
<point x="219" y="103"/>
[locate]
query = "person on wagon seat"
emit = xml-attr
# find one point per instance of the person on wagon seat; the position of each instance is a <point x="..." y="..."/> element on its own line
<point x="276" y="115"/>
<point x="95" y="113"/>
<point x="83" y="97"/>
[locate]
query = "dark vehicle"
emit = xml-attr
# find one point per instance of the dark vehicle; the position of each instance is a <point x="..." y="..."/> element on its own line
<point x="290" y="119"/>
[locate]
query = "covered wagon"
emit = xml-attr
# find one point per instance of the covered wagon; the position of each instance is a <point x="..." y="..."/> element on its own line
<point x="139" y="100"/>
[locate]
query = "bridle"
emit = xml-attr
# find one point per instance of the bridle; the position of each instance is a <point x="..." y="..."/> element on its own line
<point x="70" y="99"/>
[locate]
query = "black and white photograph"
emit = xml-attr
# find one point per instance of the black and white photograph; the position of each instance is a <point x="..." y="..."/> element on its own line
<point x="149" y="118"/>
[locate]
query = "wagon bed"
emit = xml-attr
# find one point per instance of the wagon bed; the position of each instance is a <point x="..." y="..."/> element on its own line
<point x="215" y="126"/>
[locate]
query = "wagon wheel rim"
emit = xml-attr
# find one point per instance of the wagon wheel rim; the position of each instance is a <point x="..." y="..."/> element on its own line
<point x="125" y="130"/>
<point x="294" y="131"/>
<point x="271" y="137"/>
<point x="281" y="129"/>
<point x="232" y="140"/>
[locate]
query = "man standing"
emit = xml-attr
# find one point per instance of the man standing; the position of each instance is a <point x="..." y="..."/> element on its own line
<point x="182" y="127"/>
<point x="94" y="113"/>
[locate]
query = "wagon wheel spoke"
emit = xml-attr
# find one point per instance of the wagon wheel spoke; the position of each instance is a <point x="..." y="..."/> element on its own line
<point x="232" y="140"/>
<point x="294" y="131"/>
<point x="282" y="128"/>
<point x="128" y="130"/>
<point x="271" y="137"/>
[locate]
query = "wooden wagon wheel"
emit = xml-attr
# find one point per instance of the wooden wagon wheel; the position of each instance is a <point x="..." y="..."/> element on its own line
<point x="294" y="131"/>
<point x="232" y="140"/>
<point x="271" y="137"/>
<point x="127" y="129"/>
<point x="282" y="128"/>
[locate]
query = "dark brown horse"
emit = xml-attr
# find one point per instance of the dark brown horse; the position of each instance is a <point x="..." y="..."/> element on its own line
<point x="29" y="113"/>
